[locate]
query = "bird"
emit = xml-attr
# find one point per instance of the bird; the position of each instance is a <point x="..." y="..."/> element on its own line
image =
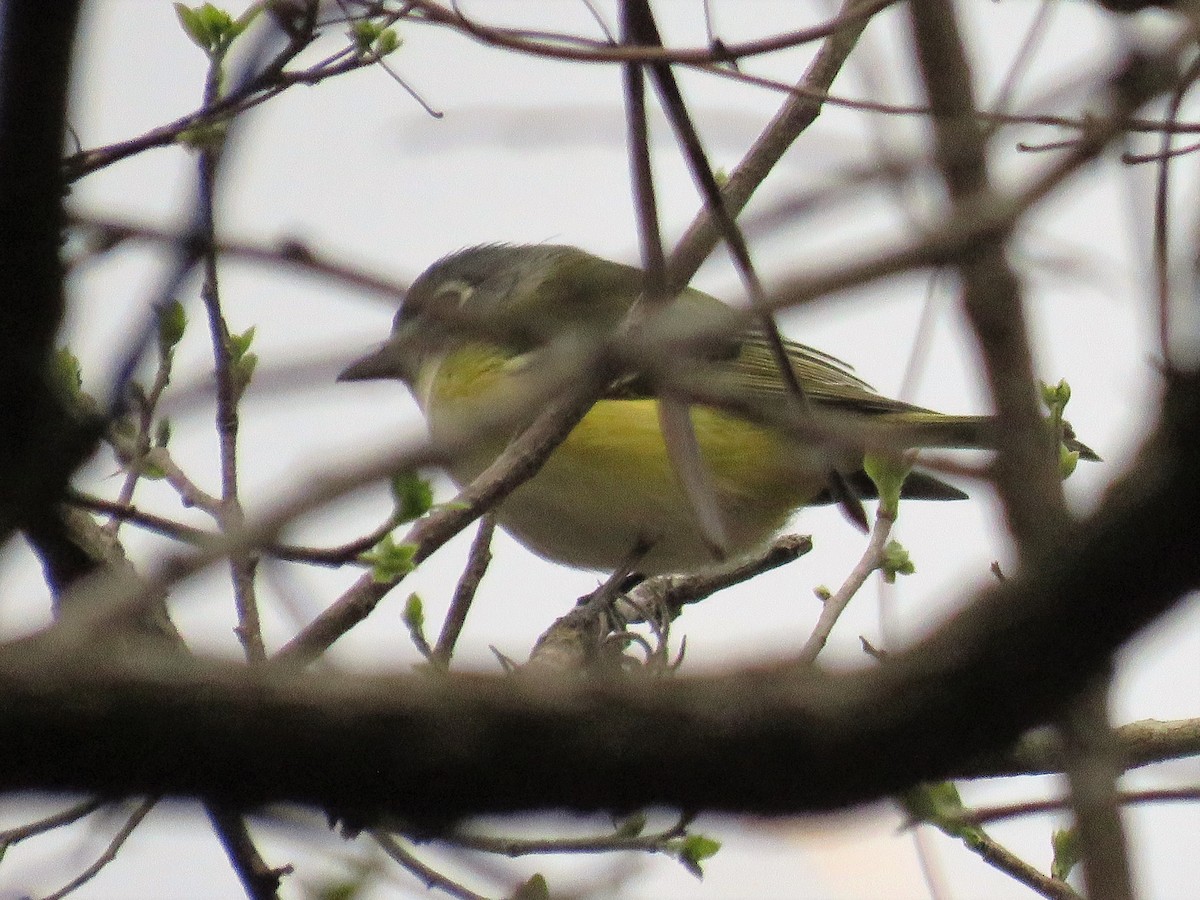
<point x="473" y="326"/>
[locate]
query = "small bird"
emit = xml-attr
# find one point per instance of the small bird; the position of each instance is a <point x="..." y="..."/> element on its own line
<point x="471" y="328"/>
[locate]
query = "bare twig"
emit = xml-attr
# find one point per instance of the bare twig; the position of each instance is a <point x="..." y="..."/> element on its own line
<point x="230" y="385"/>
<point x="519" y="462"/>
<point x="259" y="880"/>
<point x="1027" y="476"/>
<point x="108" y="855"/>
<point x="800" y="111"/>
<point x="834" y="605"/>
<point x="1093" y="767"/>
<point x="464" y="592"/>
<point x="290" y="254"/>
<point x="670" y="593"/>
<point x="1162" y="270"/>
<point x="1000" y="857"/>
<point x="654" y="842"/>
<point x="430" y="877"/>
<point x="68" y="816"/>
<point x="984" y="815"/>
<point x="581" y="49"/>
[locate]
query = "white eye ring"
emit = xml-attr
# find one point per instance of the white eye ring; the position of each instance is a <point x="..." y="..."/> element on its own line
<point x="461" y="290"/>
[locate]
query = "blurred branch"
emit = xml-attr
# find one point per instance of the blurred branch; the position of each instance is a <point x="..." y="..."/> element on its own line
<point x="834" y="605"/>
<point x="506" y="743"/>
<point x="576" y="48"/>
<point x="286" y="254"/>
<point x="1093" y="767"/>
<point x="1026" y="468"/>
<point x="983" y="815"/>
<point x="69" y="816"/>
<point x="109" y="853"/>
<point x="519" y="462"/>
<point x="1041" y="752"/>
<point x="478" y="560"/>
<point x="428" y="876"/>
<point x="800" y="111"/>
<point x="259" y="880"/>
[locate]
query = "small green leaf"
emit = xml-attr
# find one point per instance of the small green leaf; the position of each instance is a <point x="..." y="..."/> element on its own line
<point x="240" y="343"/>
<point x="149" y="467"/>
<point x="933" y="803"/>
<point x="535" y="888"/>
<point x="823" y="593"/>
<point x="1056" y="397"/>
<point x="414" y="613"/>
<point x="65" y="373"/>
<point x="387" y="42"/>
<point x="941" y="805"/>
<point x="243" y="371"/>
<point x="162" y="432"/>
<point x="242" y="362"/>
<point x="192" y="25"/>
<point x="412" y="496"/>
<point x="172" y="320"/>
<point x="364" y="33"/>
<point x="342" y="889"/>
<point x="203" y="137"/>
<point x="1067" y="461"/>
<point x="209" y="28"/>
<point x="1067" y="852"/>
<point x="888" y="474"/>
<point x="390" y="561"/>
<point x="631" y="826"/>
<point x="895" y="562"/>
<point x="693" y="850"/>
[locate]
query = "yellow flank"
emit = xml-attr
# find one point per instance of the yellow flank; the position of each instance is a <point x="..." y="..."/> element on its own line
<point x="746" y="463"/>
<point x="611" y="484"/>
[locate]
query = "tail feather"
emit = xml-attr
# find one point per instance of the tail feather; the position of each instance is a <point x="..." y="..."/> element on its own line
<point x="917" y="486"/>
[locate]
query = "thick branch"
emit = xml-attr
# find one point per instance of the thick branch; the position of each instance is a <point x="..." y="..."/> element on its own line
<point x="434" y="749"/>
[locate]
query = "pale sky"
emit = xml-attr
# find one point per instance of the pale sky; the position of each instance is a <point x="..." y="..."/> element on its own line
<point x="532" y="150"/>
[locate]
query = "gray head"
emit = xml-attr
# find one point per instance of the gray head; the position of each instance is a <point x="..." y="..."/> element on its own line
<point x="506" y="294"/>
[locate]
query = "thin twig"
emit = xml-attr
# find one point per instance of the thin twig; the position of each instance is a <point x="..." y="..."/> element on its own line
<point x="1162" y="269"/>
<point x="464" y="592"/>
<point x="797" y="113"/>
<point x="259" y="880"/>
<point x="109" y="854"/>
<point x="319" y="556"/>
<point x="290" y="253"/>
<point x="653" y="842"/>
<point x="988" y="814"/>
<point x="146" y="409"/>
<point x="430" y="877"/>
<point x="1027" y="477"/>
<point x="577" y="48"/>
<point x="1093" y="767"/>
<point x="671" y="593"/>
<point x="519" y="462"/>
<point x="68" y="816"/>
<point x="674" y="416"/>
<point x="834" y="605"/>
<point x="230" y="384"/>
<point x="1000" y="857"/>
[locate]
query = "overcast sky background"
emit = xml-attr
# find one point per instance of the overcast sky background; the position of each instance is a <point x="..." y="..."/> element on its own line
<point x="533" y="150"/>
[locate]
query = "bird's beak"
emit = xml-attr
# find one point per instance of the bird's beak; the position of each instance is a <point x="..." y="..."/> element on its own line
<point x="386" y="362"/>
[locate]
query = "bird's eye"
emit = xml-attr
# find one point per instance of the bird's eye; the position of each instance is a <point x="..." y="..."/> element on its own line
<point x="449" y="298"/>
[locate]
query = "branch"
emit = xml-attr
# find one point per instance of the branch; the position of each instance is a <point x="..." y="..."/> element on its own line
<point x="432" y="750"/>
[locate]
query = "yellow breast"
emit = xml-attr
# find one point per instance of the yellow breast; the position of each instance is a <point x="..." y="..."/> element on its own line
<point x="611" y="484"/>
